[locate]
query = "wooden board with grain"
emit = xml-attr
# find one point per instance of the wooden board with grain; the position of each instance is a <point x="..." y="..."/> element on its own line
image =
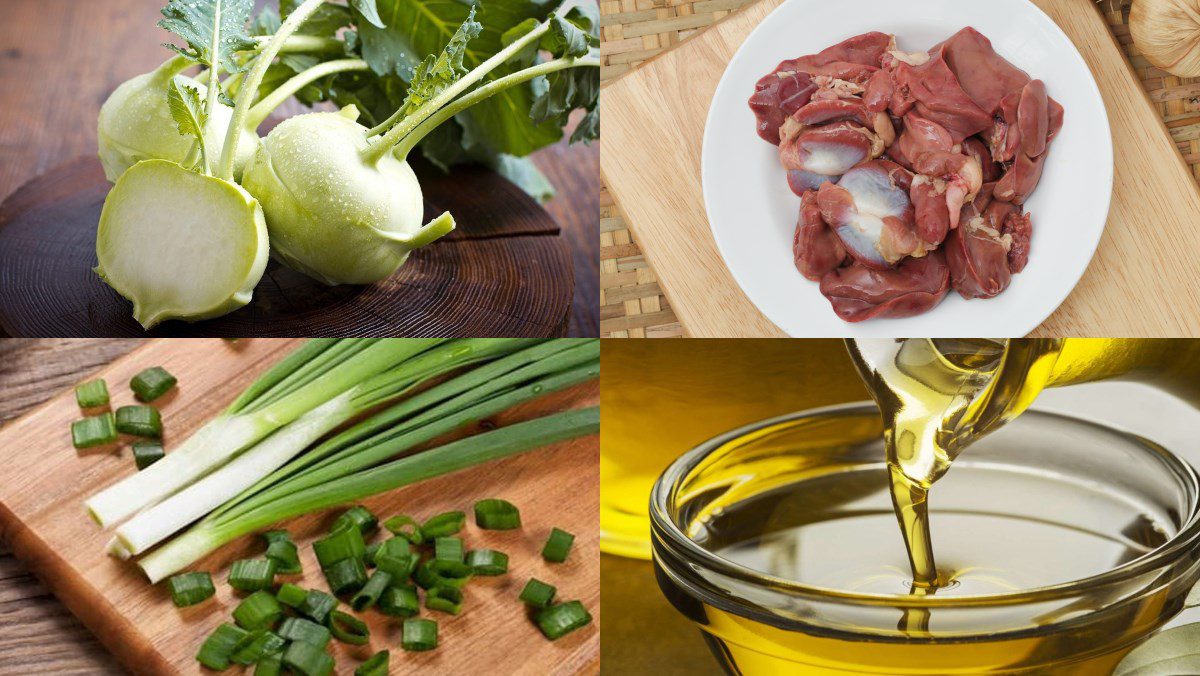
<point x="43" y="482"/>
<point x="1140" y="283"/>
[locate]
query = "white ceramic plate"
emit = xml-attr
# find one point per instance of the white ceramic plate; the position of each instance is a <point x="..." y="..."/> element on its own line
<point x="753" y="213"/>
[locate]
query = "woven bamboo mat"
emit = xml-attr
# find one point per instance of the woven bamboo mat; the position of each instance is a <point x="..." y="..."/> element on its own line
<point x="631" y="31"/>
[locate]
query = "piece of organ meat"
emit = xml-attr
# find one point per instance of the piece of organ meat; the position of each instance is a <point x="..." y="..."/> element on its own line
<point x="956" y="178"/>
<point x="932" y="90"/>
<point x="786" y="89"/>
<point x="858" y="292"/>
<point x="870" y="212"/>
<point x="989" y="168"/>
<point x="815" y="155"/>
<point x="918" y="136"/>
<point x="984" y="75"/>
<point x="815" y="248"/>
<point x="990" y="246"/>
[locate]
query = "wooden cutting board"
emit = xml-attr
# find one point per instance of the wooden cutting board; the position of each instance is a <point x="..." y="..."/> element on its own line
<point x="504" y="271"/>
<point x="1141" y="282"/>
<point x="43" y="482"/>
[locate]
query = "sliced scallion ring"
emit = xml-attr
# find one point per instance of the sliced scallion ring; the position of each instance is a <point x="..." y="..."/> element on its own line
<point x="307" y="659"/>
<point x="348" y="628"/>
<point x="346" y="575"/>
<point x="369" y="594"/>
<point x="140" y="421"/>
<point x="253" y="647"/>
<point x="558" y="545"/>
<point x="443" y="525"/>
<point x="252" y="574"/>
<point x="448" y="549"/>
<point x="419" y="634"/>
<point x="92" y="394"/>
<point x="406" y="527"/>
<point x="260" y="610"/>
<point x="188" y="589"/>
<point x="487" y="562"/>
<point x="359" y="517"/>
<point x="497" y="514"/>
<point x="317" y="606"/>
<point x="300" y="630"/>
<point x="445" y="599"/>
<point x="537" y="593"/>
<point x="97" y="430"/>
<point x="217" y="650"/>
<point x="291" y="595"/>
<point x="283" y="552"/>
<point x="400" y="601"/>
<point x="376" y="665"/>
<point x="152" y="383"/>
<point x="343" y="544"/>
<point x="559" y="620"/>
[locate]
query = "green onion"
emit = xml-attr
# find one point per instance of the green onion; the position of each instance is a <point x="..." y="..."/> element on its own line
<point x="307" y="659"/>
<point x="341" y="545"/>
<point x="92" y="394"/>
<point x="376" y="665"/>
<point x="348" y="628"/>
<point x="140" y="421"/>
<point x="448" y="549"/>
<point x="487" y="562"/>
<point x="259" y="610"/>
<point x="97" y="430"/>
<point x="370" y="553"/>
<point x="399" y="567"/>
<point x="399" y="602"/>
<point x="497" y="514"/>
<point x="537" y="593"/>
<point x="255" y="646"/>
<point x="346" y="575"/>
<point x="217" y="650"/>
<point x="559" y="620"/>
<point x="146" y="453"/>
<point x="406" y="527"/>
<point x="369" y="594"/>
<point x="188" y="589"/>
<point x="283" y="552"/>
<point x="396" y="546"/>
<point x="443" y="525"/>
<point x="558" y="545"/>
<point x="291" y="595"/>
<point x="317" y="606"/>
<point x="444" y="599"/>
<point x="252" y="574"/>
<point x="271" y="664"/>
<point x="152" y="383"/>
<point x="433" y="573"/>
<point x="300" y="630"/>
<point x="419" y="634"/>
<point x="359" y="517"/>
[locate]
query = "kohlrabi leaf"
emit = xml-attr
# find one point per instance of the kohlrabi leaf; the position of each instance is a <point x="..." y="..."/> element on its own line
<point x="188" y="112"/>
<point x="213" y="29"/>
<point x="523" y="173"/>
<point x="527" y="56"/>
<point x="415" y="29"/>
<point x="1169" y="653"/>
<point x="324" y="22"/>
<point x="369" y="11"/>
<point x="565" y="38"/>
<point x="588" y="129"/>
<point x="437" y="72"/>
<point x="266" y="23"/>
<point x="587" y="19"/>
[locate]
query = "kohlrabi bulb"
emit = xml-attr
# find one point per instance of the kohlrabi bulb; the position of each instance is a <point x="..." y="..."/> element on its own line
<point x="136" y="124"/>
<point x="332" y="214"/>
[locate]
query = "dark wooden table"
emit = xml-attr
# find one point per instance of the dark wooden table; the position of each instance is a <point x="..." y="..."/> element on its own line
<point x="37" y="633"/>
<point x="59" y="60"/>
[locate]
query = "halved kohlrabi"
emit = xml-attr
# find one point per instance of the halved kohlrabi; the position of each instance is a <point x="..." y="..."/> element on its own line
<point x="180" y="260"/>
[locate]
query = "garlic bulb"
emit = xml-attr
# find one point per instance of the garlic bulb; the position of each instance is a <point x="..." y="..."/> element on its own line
<point x="1168" y="34"/>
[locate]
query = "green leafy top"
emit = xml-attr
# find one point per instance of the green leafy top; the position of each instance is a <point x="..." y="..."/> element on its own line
<point x="213" y="29"/>
<point x="188" y="112"/>
<point x="437" y="72"/>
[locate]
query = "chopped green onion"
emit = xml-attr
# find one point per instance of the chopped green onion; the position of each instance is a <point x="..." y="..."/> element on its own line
<point x="346" y="575"/>
<point x="188" y="589"/>
<point x="377" y="665"/>
<point x="406" y="527"/>
<point x="252" y="574"/>
<point x="396" y="547"/>
<point x="558" y="545"/>
<point x="497" y="514"/>
<point x="140" y="421"/>
<point x="369" y="594"/>
<point x="92" y="394"/>
<point x="283" y="552"/>
<point x="271" y="664"/>
<point x="339" y="546"/>
<point x="259" y="610"/>
<point x="291" y="595"/>
<point x="419" y="634"/>
<point x="399" y="567"/>
<point x="300" y="630"/>
<point x="348" y="628"/>
<point x="255" y="646"/>
<point x="443" y="525"/>
<point x="217" y="650"/>
<point x="448" y="549"/>
<point x="537" y="593"/>
<point x="562" y="619"/>
<point x="152" y="383"/>
<point x="399" y="602"/>
<point x="306" y="659"/>
<point x="146" y="453"/>
<point x="369" y="555"/>
<point x="487" y="562"/>
<point x="96" y="430"/>
<point x="317" y="606"/>
<point x="445" y="599"/>
<point x="433" y="573"/>
<point x="359" y="517"/>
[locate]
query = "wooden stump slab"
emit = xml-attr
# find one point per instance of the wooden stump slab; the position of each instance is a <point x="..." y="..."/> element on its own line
<point x="505" y="271"/>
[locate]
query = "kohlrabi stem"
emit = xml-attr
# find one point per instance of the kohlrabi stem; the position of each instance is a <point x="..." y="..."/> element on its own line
<point x="403" y="127"/>
<point x="405" y="146"/>
<point x="271" y="101"/>
<point x="214" y="50"/>
<point x="172" y="67"/>
<point x="303" y="43"/>
<point x="254" y="79"/>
